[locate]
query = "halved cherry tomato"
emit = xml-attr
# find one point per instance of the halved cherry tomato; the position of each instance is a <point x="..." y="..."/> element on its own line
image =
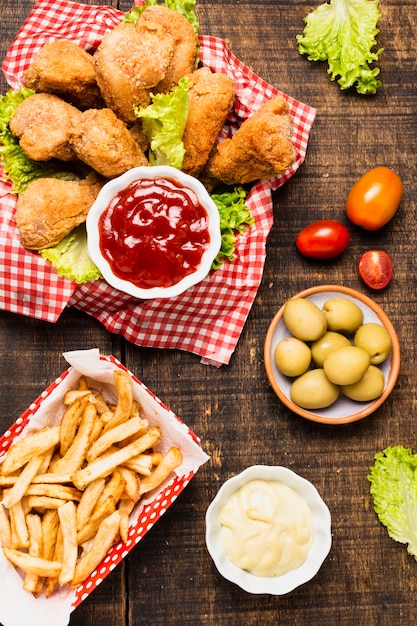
<point x="375" y="268"/>
<point x="374" y="198"/>
<point x="323" y="239"/>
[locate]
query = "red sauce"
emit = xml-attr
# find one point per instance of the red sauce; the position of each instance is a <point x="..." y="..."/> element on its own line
<point x="154" y="233"/>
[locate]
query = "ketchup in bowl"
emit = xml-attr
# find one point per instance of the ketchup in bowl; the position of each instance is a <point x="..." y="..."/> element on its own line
<point x="153" y="232"/>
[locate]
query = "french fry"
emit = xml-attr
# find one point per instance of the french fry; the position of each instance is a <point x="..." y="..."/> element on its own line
<point x="32" y="445"/>
<point x="104" y="539"/>
<point x="125" y="508"/>
<point x="114" y="435"/>
<point x="104" y="466"/>
<point x="32" y="564"/>
<point x="18" y="490"/>
<point x="171" y="460"/>
<point x="52" y="579"/>
<point x="71" y="420"/>
<point x="34" y="525"/>
<point x="67" y="517"/>
<point x="5" y="531"/>
<point x="42" y="503"/>
<point x="123" y="384"/>
<point x="50" y="526"/>
<point x="132" y="486"/>
<point x="143" y="463"/>
<point x="88" y="501"/>
<point x="18" y="527"/>
<point x="75" y="454"/>
<point x="52" y="491"/>
<point x="73" y="394"/>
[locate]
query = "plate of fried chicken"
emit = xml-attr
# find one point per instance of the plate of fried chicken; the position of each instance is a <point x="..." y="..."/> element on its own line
<point x="85" y="85"/>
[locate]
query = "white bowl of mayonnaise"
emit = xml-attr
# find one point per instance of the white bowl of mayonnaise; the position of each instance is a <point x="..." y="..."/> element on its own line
<point x="268" y="530"/>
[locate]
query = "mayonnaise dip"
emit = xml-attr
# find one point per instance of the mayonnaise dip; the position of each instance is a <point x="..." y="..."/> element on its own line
<point x="266" y="528"/>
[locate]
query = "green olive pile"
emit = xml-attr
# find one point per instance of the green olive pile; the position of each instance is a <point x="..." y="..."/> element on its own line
<point x="331" y="351"/>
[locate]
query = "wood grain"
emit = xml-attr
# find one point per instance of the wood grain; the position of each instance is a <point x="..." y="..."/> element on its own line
<point x="169" y="578"/>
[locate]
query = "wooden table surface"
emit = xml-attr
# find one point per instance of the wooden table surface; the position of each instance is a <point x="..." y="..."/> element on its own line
<point x="169" y="578"/>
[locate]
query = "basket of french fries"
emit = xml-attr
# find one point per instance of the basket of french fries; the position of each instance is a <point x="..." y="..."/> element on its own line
<point x="83" y="473"/>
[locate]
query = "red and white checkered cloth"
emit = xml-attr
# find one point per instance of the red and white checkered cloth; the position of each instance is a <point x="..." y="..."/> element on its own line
<point x="206" y="320"/>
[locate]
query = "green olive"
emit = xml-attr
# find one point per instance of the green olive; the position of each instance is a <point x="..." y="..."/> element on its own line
<point x="328" y="342"/>
<point x="292" y="356"/>
<point x="304" y="319"/>
<point x="342" y="315"/>
<point x="368" y="388"/>
<point x="313" y="390"/>
<point x="376" y="340"/>
<point x="347" y="365"/>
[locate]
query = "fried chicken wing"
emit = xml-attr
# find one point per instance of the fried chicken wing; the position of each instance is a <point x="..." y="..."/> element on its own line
<point x="43" y="124"/>
<point x="50" y="208"/>
<point x="65" y="69"/>
<point x="185" y="43"/>
<point x="103" y="142"/>
<point x="262" y="147"/>
<point x="130" y="63"/>
<point x="211" y="97"/>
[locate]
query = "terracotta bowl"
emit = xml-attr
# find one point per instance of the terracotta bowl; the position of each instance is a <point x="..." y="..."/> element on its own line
<point x="344" y="410"/>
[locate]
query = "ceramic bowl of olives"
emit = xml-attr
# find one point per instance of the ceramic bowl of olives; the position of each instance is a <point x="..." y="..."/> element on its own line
<point x="332" y="354"/>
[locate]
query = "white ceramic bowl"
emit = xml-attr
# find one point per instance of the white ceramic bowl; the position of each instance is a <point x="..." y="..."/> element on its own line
<point x="344" y="410"/>
<point x="121" y="182"/>
<point x="322" y="538"/>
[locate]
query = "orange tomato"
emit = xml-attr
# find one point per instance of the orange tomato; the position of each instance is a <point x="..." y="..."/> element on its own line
<point x="374" y="198"/>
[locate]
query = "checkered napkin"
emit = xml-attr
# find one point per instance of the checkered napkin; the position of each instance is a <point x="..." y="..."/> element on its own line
<point x="206" y="320"/>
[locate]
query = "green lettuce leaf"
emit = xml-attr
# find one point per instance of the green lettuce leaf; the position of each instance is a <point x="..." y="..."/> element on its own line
<point x="70" y="257"/>
<point x="18" y="168"/>
<point x="393" y="479"/>
<point x="343" y="33"/>
<point x="163" y="122"/>
<point x="235" y="217"/>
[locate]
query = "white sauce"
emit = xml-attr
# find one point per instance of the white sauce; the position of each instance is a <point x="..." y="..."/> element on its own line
<point x="266" y="528"/>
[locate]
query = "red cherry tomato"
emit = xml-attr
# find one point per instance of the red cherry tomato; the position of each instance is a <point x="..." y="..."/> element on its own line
<point x="323" y="239"/>
<point x="375" y="268"/>
<point x="374" y="198"/>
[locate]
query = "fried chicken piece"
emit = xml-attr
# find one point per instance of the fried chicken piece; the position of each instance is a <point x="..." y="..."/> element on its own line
<point x="50" y="208"/>
<point x="185" y="43"/>
<point x="262" y="147"/>
<point x="43" y="124"/>
<point x="210" y="99"/>
<point x="130" y="63"/>
<point x="65" y="69"/>
<point x="103" y="142"/>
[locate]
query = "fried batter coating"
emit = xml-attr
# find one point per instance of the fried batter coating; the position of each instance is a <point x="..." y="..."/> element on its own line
<point x="65" y="69"/>
<point x="50" y="208"/>
<point x="185" y="43"/>
<point x="103" y="142"/>
<point x="130" y="63"/>
<point x="43" y="124"/>
<point x="210" y="99"/>
<point x="262" y="147"/>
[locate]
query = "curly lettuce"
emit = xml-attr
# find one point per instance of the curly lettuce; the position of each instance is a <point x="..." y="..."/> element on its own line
<point x="393" y="479"/>
<point x="163" y="122"/>
<point x="343" y="33"/>
<point x="70" y="257"/>
<point x="235" y="218"/>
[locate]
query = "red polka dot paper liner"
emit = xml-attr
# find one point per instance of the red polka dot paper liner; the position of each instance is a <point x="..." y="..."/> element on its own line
<point x="206" y="320"/>
<point x="47" y="409"/>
